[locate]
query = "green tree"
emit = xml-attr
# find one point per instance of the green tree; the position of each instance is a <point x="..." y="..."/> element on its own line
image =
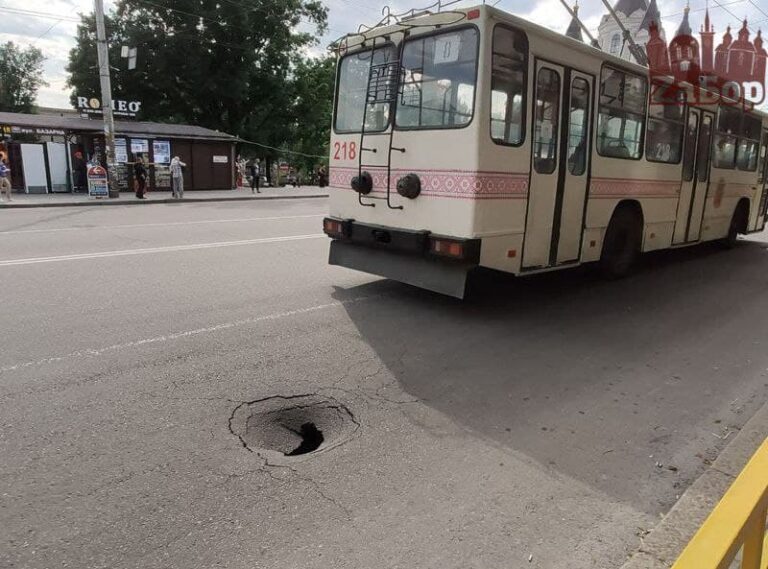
<point x="21" y="75"/>
<point x="312" y="86"/>
<point x="223" y="64"/>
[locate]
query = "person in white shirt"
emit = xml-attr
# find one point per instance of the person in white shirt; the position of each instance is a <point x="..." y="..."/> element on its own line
<point x="177" y="177"/>
<point x="5" y="179"/>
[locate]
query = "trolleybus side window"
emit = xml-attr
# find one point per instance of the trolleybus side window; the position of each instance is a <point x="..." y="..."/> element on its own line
<point x="749" y="144"/>
<point x="705" y="148"/>
<point x="439" y="76"/>
<point x="691" y="141"/>
<point x="547" y="115"/>
<point x="728" y="127"/>
<point x="623" y="102"/>
<point x="508" y="86"/>
<point x="763" y="159"/>
<point x="354" y="72"/>
<point x="664" y="141"/>
<point x="578" y="127"/>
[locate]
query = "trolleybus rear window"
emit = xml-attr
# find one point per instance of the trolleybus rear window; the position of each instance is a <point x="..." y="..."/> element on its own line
<point x="354" y="74"/>
<point x="439" y="76"/>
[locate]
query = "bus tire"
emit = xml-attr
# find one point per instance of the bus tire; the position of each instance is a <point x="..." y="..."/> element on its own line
<point x="738" y="225"/>
<point x="622" y="243"/>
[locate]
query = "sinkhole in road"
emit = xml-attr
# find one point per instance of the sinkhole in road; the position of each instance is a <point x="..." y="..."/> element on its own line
<point x="293" y="426"/>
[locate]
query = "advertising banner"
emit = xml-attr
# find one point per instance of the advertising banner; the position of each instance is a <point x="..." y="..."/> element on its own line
<point x="139" y="146"/>
<point x="121" y="151"/>
<point x="162" y="151"/>
<point x="98" y="186"/>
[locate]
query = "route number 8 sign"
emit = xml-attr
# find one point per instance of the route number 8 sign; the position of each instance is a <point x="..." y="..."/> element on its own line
<point x="447" y="49"/>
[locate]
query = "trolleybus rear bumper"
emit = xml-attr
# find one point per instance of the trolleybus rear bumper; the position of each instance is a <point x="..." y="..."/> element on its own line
<point x="436" y="263"/>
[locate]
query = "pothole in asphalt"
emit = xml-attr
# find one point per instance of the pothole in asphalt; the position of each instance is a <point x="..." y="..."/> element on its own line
<point x="297" y="426"/>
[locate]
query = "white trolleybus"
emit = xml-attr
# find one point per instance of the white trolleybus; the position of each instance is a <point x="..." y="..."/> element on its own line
<point x="473" y="138"/>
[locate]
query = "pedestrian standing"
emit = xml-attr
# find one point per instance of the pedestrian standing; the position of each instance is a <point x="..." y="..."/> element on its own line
<point x="80" y="173"/>
<point x="240" y="164"/>
<point x="5" y="179"/>
<point x="255" y="176"/>
<point x="140" y="176"/>
<point x="177" y="177"/>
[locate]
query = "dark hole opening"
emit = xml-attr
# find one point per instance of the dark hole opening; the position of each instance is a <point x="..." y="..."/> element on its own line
<point x="311" y="439"/>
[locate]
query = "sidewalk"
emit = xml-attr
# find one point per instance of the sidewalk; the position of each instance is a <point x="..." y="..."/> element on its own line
<point x="661" y="547"/>
<point x="162" y="197"/>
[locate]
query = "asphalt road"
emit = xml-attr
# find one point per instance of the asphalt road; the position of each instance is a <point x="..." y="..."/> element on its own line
<point x="546" y="422"/>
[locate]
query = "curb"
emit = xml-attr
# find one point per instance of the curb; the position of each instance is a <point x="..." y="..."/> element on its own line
<point x="113" y="203"/>
<point x="661" y="547"/>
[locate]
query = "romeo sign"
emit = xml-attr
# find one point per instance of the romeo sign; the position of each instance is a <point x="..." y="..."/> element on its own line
<point x="92" y="106"/>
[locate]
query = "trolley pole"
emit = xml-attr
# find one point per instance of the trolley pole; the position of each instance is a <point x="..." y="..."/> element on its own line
<point x="106" y="96"/>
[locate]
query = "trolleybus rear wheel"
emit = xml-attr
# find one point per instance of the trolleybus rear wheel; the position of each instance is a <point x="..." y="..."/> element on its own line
<point x="621" y="247"/>
<point x="738" y="225"/>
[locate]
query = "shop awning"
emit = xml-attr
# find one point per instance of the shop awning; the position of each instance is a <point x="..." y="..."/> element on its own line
<point x="54" y="124"/>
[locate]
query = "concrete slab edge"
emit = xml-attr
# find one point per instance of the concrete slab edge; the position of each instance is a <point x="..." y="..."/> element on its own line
<point x="661" y="547"/>
<point x="118" y="202"/>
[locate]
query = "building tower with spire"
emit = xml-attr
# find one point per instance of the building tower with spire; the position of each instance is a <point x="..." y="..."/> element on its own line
<point x="707" y="45"/>
<point x="721" y="54"/>
<point x="658" y="53"/>
<point x="684" y="52"/>
<point x="574" y="28"/>
<point x="761" y="58"/>
<point x="637" y="16"/>
<point x="741" y="57"/>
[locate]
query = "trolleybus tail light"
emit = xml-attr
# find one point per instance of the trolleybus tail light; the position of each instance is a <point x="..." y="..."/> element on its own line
<point x="335" y="228"/>
<point x="447" y="248"/>
<point x="473" y="14"/>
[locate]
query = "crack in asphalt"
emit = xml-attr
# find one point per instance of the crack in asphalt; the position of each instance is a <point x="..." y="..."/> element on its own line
<point x="96" y="352"/>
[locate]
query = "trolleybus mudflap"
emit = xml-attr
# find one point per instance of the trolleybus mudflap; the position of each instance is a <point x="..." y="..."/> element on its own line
<point x="444" y="277"/>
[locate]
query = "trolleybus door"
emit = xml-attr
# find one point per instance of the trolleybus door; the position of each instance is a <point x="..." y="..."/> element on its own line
<point x="574" y="169"/>
<point x="763" y="180"/>
<point x="696" y="166"/>
<point x="559" y="165"/>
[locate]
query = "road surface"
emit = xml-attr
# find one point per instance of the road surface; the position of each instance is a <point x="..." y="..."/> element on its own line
<point x="546" y="422"/>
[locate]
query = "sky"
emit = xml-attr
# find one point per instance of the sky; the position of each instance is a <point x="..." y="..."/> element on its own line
<point x="50" y="24"/>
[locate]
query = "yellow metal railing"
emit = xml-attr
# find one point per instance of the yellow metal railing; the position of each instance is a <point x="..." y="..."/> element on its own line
<point x="737" y="524"/>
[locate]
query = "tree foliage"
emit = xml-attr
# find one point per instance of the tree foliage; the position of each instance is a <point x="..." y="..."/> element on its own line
<point x="313" y="85"/>
<point x="222" y="64"/>
<point x="21" y="75"/>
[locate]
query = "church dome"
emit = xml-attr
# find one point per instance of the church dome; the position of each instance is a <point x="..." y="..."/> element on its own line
<point x="629" y="7"/>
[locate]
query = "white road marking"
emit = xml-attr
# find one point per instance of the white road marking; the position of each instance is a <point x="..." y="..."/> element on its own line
<point x="169" y="249"/>
<point x="171" y="224"/>
<point x="92" y="353"/>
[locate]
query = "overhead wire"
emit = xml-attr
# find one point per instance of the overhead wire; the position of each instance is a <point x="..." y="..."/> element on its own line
<point x="281" y="150"/>
<point x="35" y="14"/>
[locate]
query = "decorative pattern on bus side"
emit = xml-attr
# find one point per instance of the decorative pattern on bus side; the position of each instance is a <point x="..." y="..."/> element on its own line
<point x="457" y="184"/>
<point x="621" y="187"/>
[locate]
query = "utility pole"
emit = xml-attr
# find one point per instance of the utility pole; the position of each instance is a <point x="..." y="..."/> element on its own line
<point x="106" y="97"/>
